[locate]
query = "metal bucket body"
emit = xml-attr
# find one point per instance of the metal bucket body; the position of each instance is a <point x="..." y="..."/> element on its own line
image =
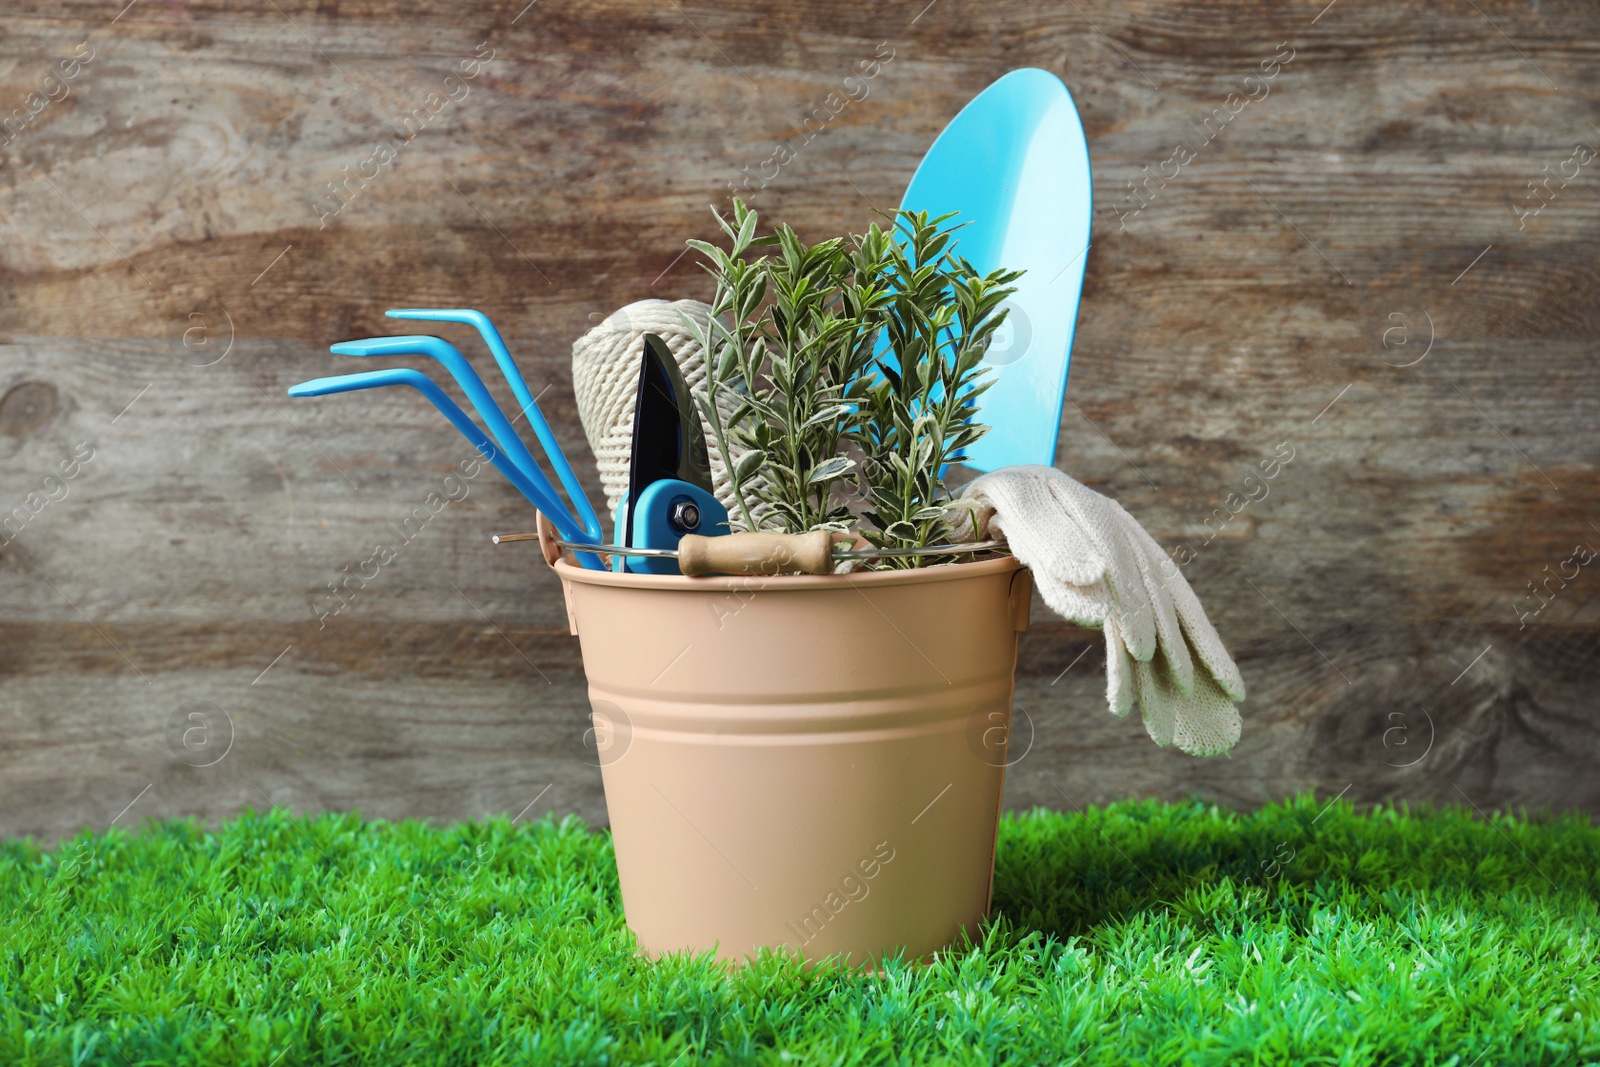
<point x="804" y="761"/>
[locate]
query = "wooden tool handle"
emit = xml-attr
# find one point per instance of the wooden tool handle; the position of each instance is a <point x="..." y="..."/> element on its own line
<point x="757" y="552"/>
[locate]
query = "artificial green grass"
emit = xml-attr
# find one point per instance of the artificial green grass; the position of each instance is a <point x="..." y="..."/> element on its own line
<point x="1141" y="933"/>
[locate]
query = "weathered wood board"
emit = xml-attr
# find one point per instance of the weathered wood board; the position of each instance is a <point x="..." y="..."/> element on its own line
<point x="1358" y="238"/>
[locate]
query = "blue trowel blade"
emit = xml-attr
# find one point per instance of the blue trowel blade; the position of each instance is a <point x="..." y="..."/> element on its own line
<point x="1014" y="162"/>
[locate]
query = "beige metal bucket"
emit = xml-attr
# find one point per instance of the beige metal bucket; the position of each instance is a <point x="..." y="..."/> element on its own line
<point x="808" y="761"/>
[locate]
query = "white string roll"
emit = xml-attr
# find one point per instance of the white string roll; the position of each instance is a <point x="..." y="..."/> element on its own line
<point x="605" y="377"/>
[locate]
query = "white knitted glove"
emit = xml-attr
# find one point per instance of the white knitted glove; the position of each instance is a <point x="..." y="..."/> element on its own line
<point x="1097" y="567"/>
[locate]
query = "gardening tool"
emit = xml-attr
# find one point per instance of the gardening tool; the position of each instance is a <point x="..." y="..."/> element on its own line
<point x="541" y="496"/>
<point x="482" y="402"/>
<point x="1015" y="164"/>
<point x="605" y="383"/>
<point x="669" y="471"/>
<point x="519" y="387"/>
<point x="759" y="551"/>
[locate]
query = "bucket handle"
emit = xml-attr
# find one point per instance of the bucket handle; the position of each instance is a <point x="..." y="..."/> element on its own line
<point x="1021" y="598"/>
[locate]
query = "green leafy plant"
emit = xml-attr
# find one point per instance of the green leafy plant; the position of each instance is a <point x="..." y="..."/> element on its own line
<point x="916" y="414"/>
<point x="823" y="429"/>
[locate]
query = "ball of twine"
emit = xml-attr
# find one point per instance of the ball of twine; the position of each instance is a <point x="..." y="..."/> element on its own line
<point x="605" y="377"/>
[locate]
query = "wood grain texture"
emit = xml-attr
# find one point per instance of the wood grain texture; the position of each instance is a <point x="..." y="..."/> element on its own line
<point x="1348" y="272"/>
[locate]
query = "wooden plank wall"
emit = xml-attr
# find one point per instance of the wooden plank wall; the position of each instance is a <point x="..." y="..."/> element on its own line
<point x="1358" y="234"/>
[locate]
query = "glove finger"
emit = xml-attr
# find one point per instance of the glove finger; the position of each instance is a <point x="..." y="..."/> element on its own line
<point x="1168" y="631"/>
<point x="1158" y="704"/>
<point x="1204" y="643"/>
<point x="1208" y="723"/>
<point x="1089" y="512"/>
<point x="1121" y="689"/>
<point x="1204" y="723"/>
<point x="1151" y="618"/>
<point x="1207" y="646"/>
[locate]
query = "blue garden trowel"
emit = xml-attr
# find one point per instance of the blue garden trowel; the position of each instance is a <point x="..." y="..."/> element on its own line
<point x="1015" y="164"/>
<point x="669" y="471"/>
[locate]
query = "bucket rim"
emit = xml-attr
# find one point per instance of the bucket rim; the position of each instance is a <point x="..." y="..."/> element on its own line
<point x="568" y="571"/>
